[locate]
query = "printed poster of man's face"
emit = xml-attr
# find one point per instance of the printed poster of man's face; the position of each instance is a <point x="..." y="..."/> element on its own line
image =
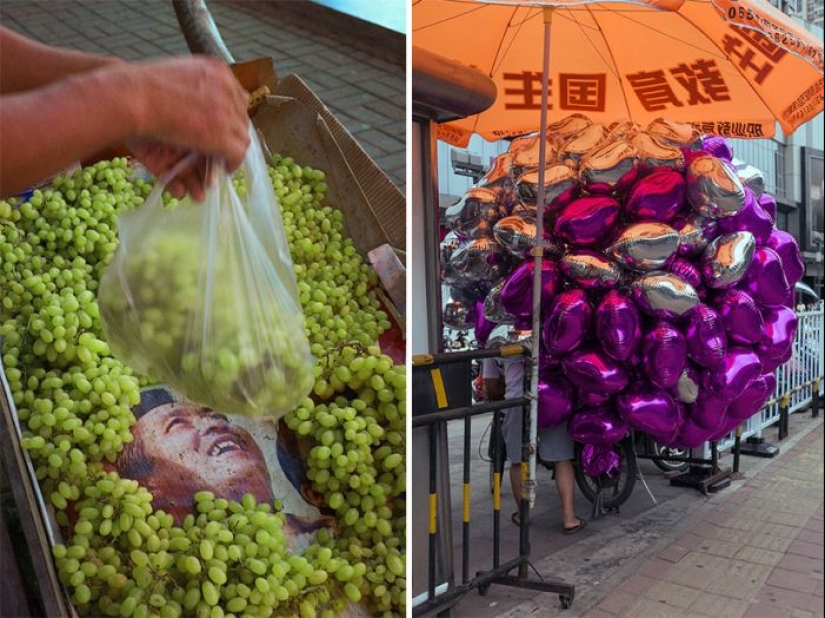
<point x="180" y="448"/>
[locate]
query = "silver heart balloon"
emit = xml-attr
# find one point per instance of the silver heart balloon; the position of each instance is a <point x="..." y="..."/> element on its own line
<point x="654" y="152"/>
<point x="695" y="232"/>
<point x="474" y="260"/>
<point x="506" y="334"/>
<point x="558" y="179"/>
<point x="579" y="144"/>
<point x="645" y="246"/>
<point x="608" y="163"/>
<point x="499" y="170"/>
<point x="687" y="388"/>
<point x="448" y="246"/>
<point x="727" y="258"/>
<point x="713" y="188"/>
<point x="457" y="316"/>
<point x="516" y="234"/>
<point x="590" y="270"/>
<point x="562" y="129"/>
<point x="664" y="295"/>
<point x="527" y="156"/>
<point x="492" y="306"/>
<point x="752" y="178"/>
<point x="475" y="214"/>
<point x="679" y="134"/>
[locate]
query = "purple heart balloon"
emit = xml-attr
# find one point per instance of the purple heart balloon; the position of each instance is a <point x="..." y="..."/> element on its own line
<point x="708" y="411"/>
<point x="656" y="197"/>
<point x="750" y="219"/>
<point x="788" y="251"/>
<point x="768" y="204"/>
<point x="780" y="329"/>
<point x="598" y="459"/>
<point x="618" y="326"/>
<point x="590" y="270"/>
<point x="705" y="337"/>
<point x="555" y="401"/>
<point x="516" y="296"/>
<point x="548" y="364"/>
<point x="568" y="322"/>
<point x="752" y="398"/>
<point x="690" y="435"/>
<point x="718" y="146"/>
<point x="591" y="370"/>
<point x="741" y="367"/>
<point x="765" y="280"/>
<point x="651" y="410"/>
<point x="599" y="425"/>
<point x="590" y="398"/>
<point x="664" y="354"/>
<point x="742" y="319"/>
<point x="687" y="271"/>
<point x="587" y="220"/>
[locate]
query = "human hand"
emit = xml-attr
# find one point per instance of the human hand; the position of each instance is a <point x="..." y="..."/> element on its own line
<point x="160" y="158"/>
<point x="184" y="105"/>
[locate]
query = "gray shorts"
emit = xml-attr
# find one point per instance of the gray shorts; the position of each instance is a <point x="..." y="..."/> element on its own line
<point x="555" y="444"/>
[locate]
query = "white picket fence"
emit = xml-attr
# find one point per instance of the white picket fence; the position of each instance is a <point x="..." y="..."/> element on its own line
<point x="795" y="377"/>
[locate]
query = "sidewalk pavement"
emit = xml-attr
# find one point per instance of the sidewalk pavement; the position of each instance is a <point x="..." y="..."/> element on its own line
<point x="754" y="549"/>
<point x="356" y="72"/>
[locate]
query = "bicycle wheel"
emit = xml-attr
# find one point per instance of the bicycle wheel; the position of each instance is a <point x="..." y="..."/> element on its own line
<point x="615" y="491"/>
<point x="669" y="465"/>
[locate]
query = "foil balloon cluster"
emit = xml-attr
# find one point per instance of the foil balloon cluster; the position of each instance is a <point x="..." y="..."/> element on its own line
<point x="666" y="288"/>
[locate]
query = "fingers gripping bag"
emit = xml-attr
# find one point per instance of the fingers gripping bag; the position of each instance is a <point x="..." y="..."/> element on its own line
<point x="203" y="297"/>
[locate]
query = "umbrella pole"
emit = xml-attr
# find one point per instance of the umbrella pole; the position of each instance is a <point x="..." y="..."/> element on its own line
<point x="538" y="254"/>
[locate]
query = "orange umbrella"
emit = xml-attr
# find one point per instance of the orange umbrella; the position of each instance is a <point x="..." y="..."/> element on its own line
<point x="728" y="67"/>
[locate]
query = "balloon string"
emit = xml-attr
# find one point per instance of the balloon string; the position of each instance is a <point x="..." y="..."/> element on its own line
<point x="642" y="478"/>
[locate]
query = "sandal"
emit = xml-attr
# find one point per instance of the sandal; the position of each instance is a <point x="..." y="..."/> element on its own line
<point x="574" y="529"/>
<point x="516" y="518"/>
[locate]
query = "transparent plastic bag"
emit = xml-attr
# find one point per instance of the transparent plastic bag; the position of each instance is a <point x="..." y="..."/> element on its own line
<point x="203" y="297"/>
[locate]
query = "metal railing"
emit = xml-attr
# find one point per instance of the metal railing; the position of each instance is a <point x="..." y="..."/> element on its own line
<point x="799" y="382"/>
<point x="432" y="409"/>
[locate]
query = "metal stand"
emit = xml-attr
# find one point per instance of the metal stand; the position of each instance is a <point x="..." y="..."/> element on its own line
<point x="705" y="478"/>
<point x="758" y="447"/>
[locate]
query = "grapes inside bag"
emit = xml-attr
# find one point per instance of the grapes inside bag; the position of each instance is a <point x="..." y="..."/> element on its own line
<point x="203" y="297"/>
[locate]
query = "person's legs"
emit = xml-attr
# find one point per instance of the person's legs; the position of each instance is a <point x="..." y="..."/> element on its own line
<point x="515" y="481"/>
<point x="565" y="485"/>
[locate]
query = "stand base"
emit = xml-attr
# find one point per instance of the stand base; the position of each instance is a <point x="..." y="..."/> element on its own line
<point x="703" y="479"/>
<point x="757" y="447"/>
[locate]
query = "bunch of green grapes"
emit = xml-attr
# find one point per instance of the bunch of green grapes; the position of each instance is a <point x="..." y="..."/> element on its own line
<point x="357" y="426"/>
<point x="336" y="285"/>
<point x="125" y="559"/>
<point x="215" y="327"/>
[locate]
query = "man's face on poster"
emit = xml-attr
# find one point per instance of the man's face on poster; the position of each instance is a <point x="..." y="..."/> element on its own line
<point x="193" y="449"/>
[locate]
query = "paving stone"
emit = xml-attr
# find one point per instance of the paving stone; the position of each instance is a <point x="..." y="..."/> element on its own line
<point x="718" y="605"/>
<point x="672" y="594"/>
<point x="791" y="580"/>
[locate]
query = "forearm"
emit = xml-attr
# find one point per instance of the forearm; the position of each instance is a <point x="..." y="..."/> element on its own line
<point x="26" y="64"/>
<point x="46" y="130"/>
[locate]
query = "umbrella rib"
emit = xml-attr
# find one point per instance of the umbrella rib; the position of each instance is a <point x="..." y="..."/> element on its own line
<point x="613" y="63"/>
<point x="625" y="15"/>
<point x="499" y="55"/>
<point x="451" y="17"/>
